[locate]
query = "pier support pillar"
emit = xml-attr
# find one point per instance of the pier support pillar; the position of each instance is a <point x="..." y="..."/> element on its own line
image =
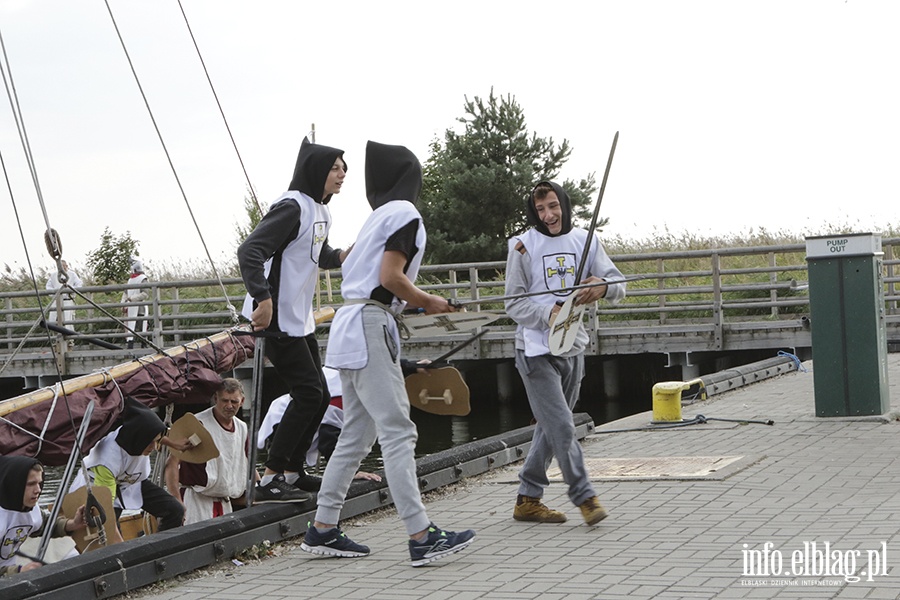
<point x="683" y="360"/>
<point x="505" y="380"/>
<point x="611" y="385"/>
<point x="690" y="372"/>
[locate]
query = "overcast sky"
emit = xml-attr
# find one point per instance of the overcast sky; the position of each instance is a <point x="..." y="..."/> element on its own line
<point x="733" y="116"/>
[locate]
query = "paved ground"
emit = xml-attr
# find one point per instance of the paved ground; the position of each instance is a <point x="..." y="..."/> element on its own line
<point x="805" y="491"/>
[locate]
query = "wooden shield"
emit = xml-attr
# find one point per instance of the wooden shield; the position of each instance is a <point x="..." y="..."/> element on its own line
<point x="204" y="447"/>
<point x="444" y="323"/>
<point x="439" y="392"/>
<point x="87" y="539"/>
<point x="323" y="314"/>
<point x="564" y="328"/>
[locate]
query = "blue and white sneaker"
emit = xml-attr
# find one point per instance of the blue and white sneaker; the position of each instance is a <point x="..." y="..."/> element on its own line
<point x="438" y="544"/>
<point x="332" y="542"/>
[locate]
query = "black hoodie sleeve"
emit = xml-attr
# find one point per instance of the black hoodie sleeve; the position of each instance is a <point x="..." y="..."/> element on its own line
<point x="330" y="258"/>
<point x="408" y="367"/>
<point x="278" y="227"/>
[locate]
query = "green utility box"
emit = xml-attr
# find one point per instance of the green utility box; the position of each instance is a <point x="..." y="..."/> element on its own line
<point x="849" y="340"/>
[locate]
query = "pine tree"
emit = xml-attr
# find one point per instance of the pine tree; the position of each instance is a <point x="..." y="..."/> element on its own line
<point x="476" y="182"/>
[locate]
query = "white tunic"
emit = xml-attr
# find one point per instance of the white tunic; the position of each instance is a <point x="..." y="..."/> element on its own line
<point x="129" y="471"/>
<point x="362" y="275"/>
<point x="553" y="265"/>
<point x="299" y="265"/>
<point x="15" y="527"/>
<point x="226" y="475"/>
<point x="53" y="284"/>
<point x="135" y="296"/>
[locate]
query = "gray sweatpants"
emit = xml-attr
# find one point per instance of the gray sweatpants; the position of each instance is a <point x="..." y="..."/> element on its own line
<point x="552" y="384"/>
<point x="375" y="407"/>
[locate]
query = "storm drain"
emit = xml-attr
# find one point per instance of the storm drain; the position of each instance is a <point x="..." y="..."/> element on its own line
<point x="661" y="468"/>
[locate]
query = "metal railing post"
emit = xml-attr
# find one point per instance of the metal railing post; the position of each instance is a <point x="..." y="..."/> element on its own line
<point x="773" y="279"/>
<point x="718" y="313"/>
<point x="157" y="322"/>
<point x="176" y="310"/>
<point x="454" y="282"/>
<point x="661" y="283"/>
<point x="9" y="321"/>
<point x="892" y="289"/>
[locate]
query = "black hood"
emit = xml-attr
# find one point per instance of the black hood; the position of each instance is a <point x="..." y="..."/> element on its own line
<point x="392" y="173"/>
<point x="140" y="426"/>
<point x="314" y="163"/>
<point x="13" y="477"/>
<point x="564" y="203"/>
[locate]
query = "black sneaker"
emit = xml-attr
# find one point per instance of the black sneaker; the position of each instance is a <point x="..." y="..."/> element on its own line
<point x="332" y="542"/>
<point x="308" y="483"/>
<point x="438" y="544"/>
<point x="279" y="490"/>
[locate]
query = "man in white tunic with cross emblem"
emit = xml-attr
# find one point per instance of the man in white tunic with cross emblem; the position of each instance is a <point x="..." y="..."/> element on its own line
<point x="544" y="259"/>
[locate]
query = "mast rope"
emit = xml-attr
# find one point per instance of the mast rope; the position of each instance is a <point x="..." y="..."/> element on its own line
<point x="232" y="310"/>
<point x="51" y="238"/>
<point x="250" y="187"/>
<point x="54" y="245"/>
<point x="116" y="319"/>
<point x="23" y="138"/>
<point x="19" y="427"/>
<point x="28" y="334"/>
<point x="57" y="388"/>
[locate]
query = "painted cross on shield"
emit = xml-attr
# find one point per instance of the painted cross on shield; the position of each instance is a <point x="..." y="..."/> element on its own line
<point x="559" y="271"/>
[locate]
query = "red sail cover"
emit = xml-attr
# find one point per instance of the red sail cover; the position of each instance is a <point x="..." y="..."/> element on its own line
<point x="190" y="377"/>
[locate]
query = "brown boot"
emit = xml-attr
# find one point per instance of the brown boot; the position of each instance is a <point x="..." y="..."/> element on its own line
<point x="592" y="511"/>
<point x="532" y="509"/>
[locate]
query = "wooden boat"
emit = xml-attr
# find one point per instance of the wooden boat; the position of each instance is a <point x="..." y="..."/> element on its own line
<point x="42" y="423"/>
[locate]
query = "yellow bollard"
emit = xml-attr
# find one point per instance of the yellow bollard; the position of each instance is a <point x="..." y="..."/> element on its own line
<point x="667" y="400"/>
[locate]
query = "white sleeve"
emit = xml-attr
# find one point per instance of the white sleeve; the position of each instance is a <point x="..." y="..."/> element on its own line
<point x="604" y="268"/>
<point x="523" y="311"/>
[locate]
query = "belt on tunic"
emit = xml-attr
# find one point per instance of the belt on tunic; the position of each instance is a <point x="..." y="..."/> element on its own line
<point x="404" y="330"/>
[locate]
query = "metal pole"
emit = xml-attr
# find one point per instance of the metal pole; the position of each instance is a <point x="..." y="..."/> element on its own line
<point x="587" y="242"/>
<point x="259" y="366"/>
<point x="65" y="481"/>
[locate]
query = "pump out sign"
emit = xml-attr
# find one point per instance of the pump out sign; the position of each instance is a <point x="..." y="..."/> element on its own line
<point x="861" y="244"/>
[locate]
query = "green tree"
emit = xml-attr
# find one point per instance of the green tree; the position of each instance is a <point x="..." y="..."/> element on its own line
<point x="476" y="182"/>
<point x="110" y="263"/>
<point x="254" y="213"/>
